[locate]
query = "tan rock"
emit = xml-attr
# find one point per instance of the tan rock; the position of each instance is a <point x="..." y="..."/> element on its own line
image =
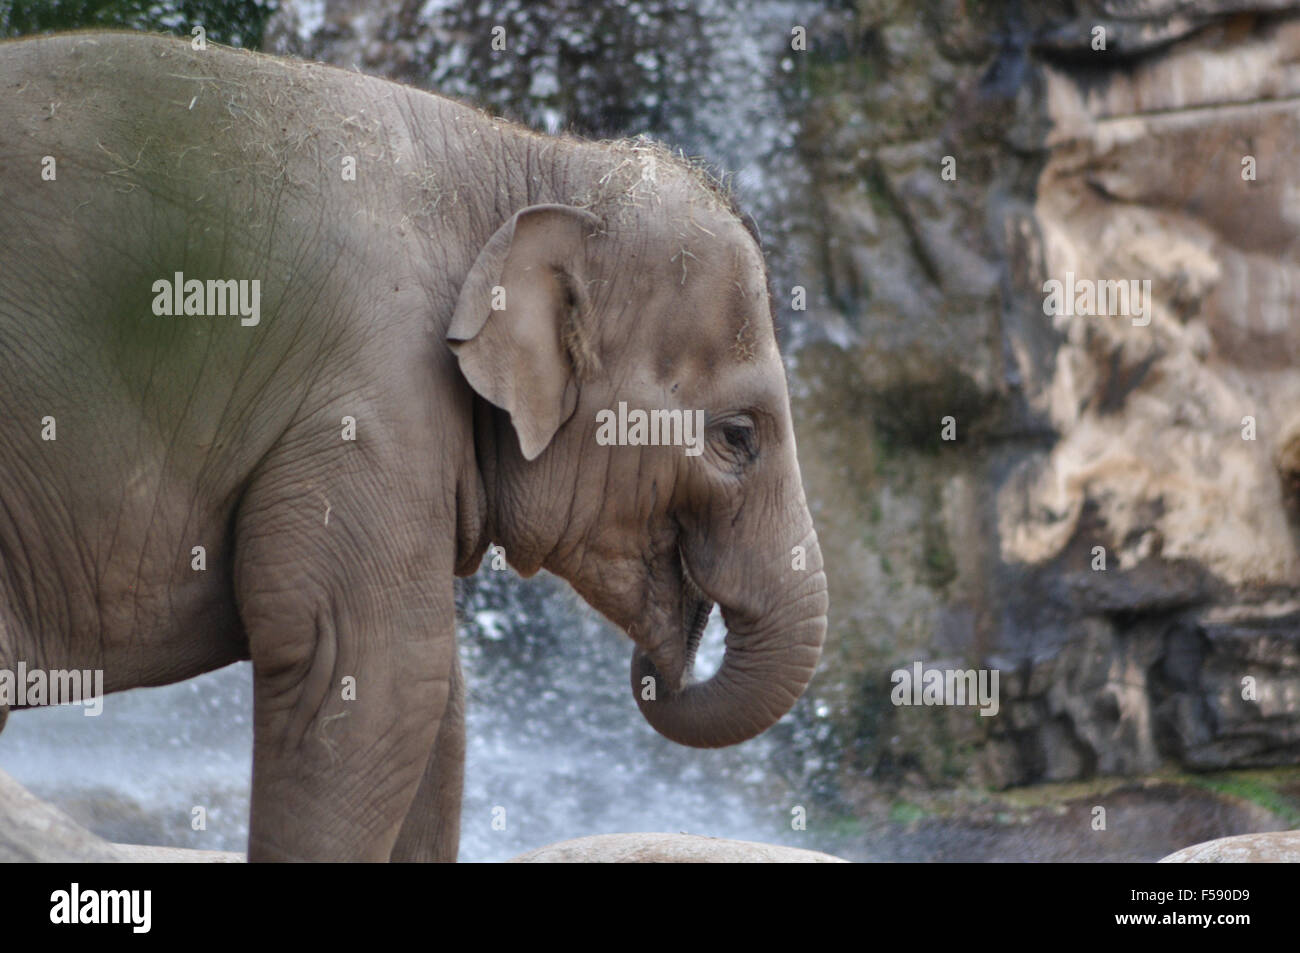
<point x="33" y="831"/>
<point x="145" y="854"/>
<point x="1280" y="847"/>
<point x="669" y="849"/>
<point x="1174" y="173"/>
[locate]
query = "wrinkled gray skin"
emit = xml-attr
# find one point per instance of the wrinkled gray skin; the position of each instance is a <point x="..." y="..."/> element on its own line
<point x="626" y="278"/>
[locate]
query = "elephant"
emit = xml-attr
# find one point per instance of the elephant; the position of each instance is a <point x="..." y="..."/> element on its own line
<point x="284" y="348"/>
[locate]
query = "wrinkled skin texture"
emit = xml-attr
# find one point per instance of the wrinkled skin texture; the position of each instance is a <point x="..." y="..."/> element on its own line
<point x="624" y="278"/>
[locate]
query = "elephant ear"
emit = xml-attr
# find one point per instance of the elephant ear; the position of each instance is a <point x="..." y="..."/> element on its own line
<point x="509" y="329"/>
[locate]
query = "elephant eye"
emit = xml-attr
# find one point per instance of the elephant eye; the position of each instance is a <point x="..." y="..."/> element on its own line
<point x="739" y="437"/>
<point x="738" y="440"/>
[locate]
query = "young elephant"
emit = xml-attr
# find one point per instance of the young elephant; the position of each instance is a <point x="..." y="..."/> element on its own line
<point x="283" y="347"/>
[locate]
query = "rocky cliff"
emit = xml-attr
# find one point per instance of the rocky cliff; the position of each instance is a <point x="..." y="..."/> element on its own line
<point x="1113" y="526"/>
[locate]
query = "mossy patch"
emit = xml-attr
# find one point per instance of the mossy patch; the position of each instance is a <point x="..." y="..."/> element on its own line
<point x="905" y="813"/>
<point x="1275" y="791"/>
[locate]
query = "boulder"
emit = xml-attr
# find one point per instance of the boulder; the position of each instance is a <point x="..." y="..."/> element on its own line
<point x="669" y="849"/>
<point x="1281" y="847"/>
<point x="34" y="832"/>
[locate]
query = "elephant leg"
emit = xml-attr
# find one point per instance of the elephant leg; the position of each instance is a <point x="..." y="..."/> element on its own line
<point x="431" y="831"/>
<point x="351" y="634"/>
<point x="334" y="775"/>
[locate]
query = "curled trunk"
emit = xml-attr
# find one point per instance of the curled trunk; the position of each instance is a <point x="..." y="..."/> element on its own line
<point x="767" y="665"/>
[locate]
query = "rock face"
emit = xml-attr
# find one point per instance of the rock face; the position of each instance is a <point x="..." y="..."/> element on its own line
<point x="1164" y="435"/>
<point x="1280" y="848"/>
<point x="1175" y="428"/>
<point x="1113" y="526"/>
<point x="32" y="831"/>
<point x="669" y="849"/>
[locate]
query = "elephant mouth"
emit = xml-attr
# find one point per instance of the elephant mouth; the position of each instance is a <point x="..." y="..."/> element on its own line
<point x="696" y="607"/>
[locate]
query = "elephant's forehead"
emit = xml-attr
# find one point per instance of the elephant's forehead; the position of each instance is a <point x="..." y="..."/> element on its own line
<point x="704" y="335"/>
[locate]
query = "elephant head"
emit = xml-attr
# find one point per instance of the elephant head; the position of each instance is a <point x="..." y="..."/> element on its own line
<point x="653" y="299"/>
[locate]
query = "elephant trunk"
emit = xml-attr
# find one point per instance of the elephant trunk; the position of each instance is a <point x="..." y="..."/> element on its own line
<point x="769" y="661"/>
